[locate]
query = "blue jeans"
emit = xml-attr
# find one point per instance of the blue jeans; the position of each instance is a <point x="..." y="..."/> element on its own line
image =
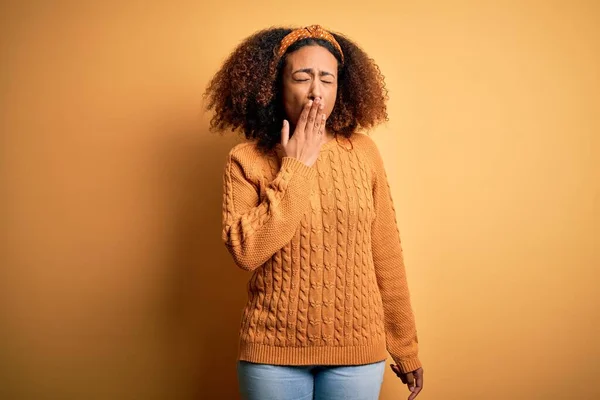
<point x="281" y="382"/>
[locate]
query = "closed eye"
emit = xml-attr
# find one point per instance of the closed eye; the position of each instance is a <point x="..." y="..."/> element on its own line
<point x="306" y="80"/>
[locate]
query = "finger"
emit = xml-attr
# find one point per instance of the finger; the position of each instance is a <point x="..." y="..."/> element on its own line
<point x="410" y="378"/>
<point x="398" y="373"/>
<point x="302" y="121"/>
<point x="419" y="384"/>
<point x="415" y="392"/>
<point x="402" y="377"/>
<point x="322" y="128"/>
<point x="410" y="381"/>
<point x="318" y="123"/>
<point x="312" y="116"/>
<point x="285" y="133"/>
<point x="321" y="115"/>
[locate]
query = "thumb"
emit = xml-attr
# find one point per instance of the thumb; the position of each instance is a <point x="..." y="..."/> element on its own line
<point x="410" y="381"/>
<point x="285" y="133"/>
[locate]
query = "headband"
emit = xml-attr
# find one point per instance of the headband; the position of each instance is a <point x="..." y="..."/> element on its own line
<point x="314" y="32"/>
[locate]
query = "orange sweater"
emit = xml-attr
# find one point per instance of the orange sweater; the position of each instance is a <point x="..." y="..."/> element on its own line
<point x="328" y="284"/>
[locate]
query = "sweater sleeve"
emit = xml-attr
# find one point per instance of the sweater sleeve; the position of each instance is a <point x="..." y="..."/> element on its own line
<point x="254" y="229"/>
<point x="401" y="334"/>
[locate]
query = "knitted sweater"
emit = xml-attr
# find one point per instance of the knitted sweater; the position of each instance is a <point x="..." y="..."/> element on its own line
<point x="328" y="283"/>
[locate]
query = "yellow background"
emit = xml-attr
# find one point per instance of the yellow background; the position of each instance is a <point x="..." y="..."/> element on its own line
<point x="118" y="285"/>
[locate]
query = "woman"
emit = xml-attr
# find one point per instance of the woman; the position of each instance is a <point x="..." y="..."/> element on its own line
<point x="307" y="209"/>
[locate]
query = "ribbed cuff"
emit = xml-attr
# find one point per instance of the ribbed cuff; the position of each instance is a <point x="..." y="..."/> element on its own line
<point x="298" y="167"/>
<point x="409" y="364"/>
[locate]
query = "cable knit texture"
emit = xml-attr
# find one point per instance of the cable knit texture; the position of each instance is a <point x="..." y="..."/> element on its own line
<point x="328" y="283"/>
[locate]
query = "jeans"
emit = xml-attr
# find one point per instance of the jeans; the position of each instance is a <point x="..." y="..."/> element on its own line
<point x="281" y="382"/>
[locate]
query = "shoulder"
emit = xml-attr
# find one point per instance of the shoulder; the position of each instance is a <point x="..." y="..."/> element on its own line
<point x="362" y="139"/>
<point x="244" y="150"/>
<point x="248" y="152"/>
<point x="248" y="157"/>
<point x="366" y="145"/>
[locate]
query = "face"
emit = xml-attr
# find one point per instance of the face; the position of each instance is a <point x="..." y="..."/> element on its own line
<point x="309" y="72"/>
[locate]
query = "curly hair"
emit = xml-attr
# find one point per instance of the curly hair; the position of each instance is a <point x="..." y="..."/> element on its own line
<point x="246" y="94"/>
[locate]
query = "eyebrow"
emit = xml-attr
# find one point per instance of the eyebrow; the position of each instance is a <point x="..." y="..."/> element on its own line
<point x="311" y="71"/>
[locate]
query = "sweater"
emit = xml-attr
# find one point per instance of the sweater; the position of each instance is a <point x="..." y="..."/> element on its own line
<point x="328" y="283"/>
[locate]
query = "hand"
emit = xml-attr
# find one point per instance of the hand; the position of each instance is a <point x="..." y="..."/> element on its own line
<point x="414" y="380"/>
<point x="308" y="136"/>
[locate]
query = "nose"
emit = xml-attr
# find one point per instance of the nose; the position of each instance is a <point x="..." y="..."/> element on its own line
<point x="315" y="90"/>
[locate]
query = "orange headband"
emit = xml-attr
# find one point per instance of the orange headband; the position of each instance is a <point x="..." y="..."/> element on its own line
<point x="314" y="32"/>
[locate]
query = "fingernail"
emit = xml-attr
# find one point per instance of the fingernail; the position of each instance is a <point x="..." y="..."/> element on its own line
<point x="317" y="100"/>
<point x="310" y="102"/>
